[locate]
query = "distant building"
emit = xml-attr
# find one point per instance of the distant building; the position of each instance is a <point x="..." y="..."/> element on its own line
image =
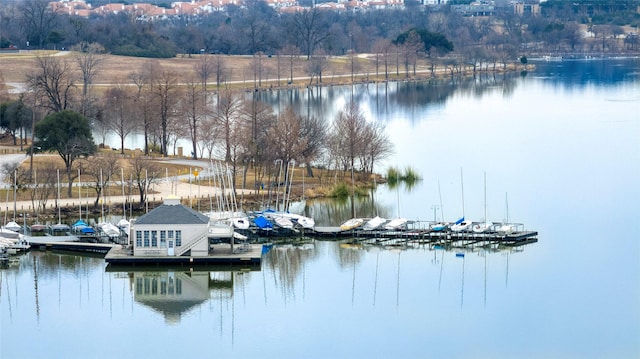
<point x="483" y="8"/>
<point x="434" y="2"/>
<point x="526" y="7"/>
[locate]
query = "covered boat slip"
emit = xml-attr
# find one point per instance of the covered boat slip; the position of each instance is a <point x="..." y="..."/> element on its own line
<point x="219" y="254"/>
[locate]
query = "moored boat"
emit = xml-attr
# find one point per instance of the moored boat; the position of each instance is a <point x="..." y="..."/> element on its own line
<point x="482" y="227"/>
<point x="263" y="223"/>
<point x="461" y="225"/>
<point x="438" y="227"/>
<point x="396" y="223"/>
<point x="220" y="229"/>
<point x="38" y="229"/>
<point x="374" y="223"/>
<point x="13" y="226"/>
<point x="352" y="223"/>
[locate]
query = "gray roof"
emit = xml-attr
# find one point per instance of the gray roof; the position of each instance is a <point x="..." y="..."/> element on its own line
<point x="173" y="214"/>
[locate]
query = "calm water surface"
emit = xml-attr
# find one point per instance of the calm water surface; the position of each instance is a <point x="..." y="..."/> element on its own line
<point x="560" y="148"/>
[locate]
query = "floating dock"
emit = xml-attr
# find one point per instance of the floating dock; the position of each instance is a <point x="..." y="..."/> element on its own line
<point x="516" y="238"/>
<point x="67" y="244"/>
<point x="219" y="255"/>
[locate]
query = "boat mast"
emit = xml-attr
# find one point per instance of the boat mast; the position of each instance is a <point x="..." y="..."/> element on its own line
<point x="58" y="199"/>
<point x="485" y="197"/>
<point x="441" y="208"/>
<point x="462" y="189"/>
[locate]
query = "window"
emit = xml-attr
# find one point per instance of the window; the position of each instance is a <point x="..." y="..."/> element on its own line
<point x="154" y="238"/>
<point x="154" y="286"/>
<point x="178" y="286"/>
<point x="146" y="238"/>
<point x="139" y="285"/>
<point x="163" y="286"/>
<point x="178" y="238"/>
<point x="170" y="234"/>
<point x="138" y="238"/>
<point x="163" y="239"/>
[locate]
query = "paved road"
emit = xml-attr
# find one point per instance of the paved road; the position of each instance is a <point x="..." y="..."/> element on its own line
<point x="9" y="158"/>
<point x="177" y="186"/>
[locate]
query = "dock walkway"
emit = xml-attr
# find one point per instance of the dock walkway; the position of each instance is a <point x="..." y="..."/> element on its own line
<point x="512" y="239"/>
<point x="220" y="254"/>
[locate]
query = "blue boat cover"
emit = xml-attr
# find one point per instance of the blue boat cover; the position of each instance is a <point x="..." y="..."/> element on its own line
<point x="460" y="220"/>
<point x="87" y="230"/>
<point x="262" y="222"/>
<point x="80" y="223"/>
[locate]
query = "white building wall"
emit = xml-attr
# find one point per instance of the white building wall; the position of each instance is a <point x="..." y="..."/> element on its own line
<point x="189" y="233"/>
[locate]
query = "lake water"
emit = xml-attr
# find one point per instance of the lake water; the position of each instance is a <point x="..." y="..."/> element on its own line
<point x="559" y="147"/>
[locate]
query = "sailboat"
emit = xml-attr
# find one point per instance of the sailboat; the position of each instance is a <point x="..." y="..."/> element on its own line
<point x="506" y="228"/>
<point x="227" y="212"/>
<point x="486" y="226"/>
<point x="396" y="223"/>
<point x="462" y="225"/>
<point x="352" y="223"/>
<point x="12" y="226"/>
<point x="374" y="223"/>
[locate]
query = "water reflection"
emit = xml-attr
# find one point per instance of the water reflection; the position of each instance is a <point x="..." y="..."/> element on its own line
<point x="287" y="264"/>
<point x="386" y="98"/>
<point x="171" y="293"/>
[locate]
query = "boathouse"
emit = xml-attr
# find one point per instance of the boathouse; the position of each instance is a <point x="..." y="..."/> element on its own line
<point x="171" y="229"/>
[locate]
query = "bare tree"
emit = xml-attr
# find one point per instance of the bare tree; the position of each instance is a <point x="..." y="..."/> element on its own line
<point x="316" y="65"/>
<point x="120" y="113"/>
<point x="309" y="29"/>
<point x="208" y="137"/>
<point x="226" y="113"/>
<point x="145" y="172"/>
<point x="259" y="117"/>
<point x="53" y="78"/>
<point x="100" y="124"/>
<point x="89" y="59"/>
<point x="164" y="88"/>
<point x="409" y="50"/>
<point x="38" y="20"/>
<point x="205" y="68"/>
<point x="286" y="139"/>
<point x="313" y="130"/>
<point x="193" y="106"/>
<point x="291" y="52"/>
<point x="44" y="186"/>
<point x="258" y="68"/>
<point x="220" y="70"/>
<point x="377" y="146"/>
<point x="348" y="133"/>
<point x="144" y="103"/>
<point x="100" y="169"/>
<point x="381" y="54"/>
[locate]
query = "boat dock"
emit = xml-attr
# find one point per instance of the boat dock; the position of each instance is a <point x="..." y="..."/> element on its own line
<point x="516" y="238"/>
<point x="219" y="255"/>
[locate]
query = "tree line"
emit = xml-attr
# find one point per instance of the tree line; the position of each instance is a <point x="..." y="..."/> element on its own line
<point x="256" y="27"/>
